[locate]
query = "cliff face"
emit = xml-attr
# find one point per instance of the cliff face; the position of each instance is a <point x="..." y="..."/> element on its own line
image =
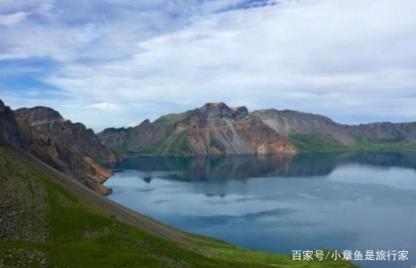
<point x="80" y="167"/>
<point x="33" y="138"/>
<point x="289" y="122"/>
<point x="74" y="136"/>
<point x="214" y="129"/>
<point x="9" y="129"/>
<point x="217" y="129"/>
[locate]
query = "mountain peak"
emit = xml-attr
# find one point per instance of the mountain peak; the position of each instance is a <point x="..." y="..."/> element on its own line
<point x="220" y="110"/>
<point x="39" y="114"/>
<point x="215" y="104"/>
<point x="241" y="111"/>
<point x="145" y="122"/>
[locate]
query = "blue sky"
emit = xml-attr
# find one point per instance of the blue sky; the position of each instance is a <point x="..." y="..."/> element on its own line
<point x="117" y="62"/>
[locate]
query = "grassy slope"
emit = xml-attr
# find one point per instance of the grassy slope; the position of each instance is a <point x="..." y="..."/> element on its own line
<point x="171" y="118"/>
<point x="316" y="143"/>
<point x="76" y="228"/>
<point x="175" y="143"/>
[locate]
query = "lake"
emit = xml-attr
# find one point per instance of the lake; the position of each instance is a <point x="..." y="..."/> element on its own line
<point x="345" y="201"/>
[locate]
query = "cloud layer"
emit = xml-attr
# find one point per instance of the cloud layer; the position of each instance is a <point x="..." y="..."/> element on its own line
<point x="115" y="63"/>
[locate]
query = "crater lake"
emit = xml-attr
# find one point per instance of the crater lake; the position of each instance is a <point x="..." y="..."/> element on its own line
<point x="344" y="201"/>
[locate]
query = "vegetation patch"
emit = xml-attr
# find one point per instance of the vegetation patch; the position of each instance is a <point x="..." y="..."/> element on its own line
<point x="319" y="143"/>
<point x="171" y="118"/>
<point x="177" y="144"/>
<point x="215" y="143"/>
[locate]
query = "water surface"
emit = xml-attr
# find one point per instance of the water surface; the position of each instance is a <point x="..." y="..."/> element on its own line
<point x="278" y="204"/>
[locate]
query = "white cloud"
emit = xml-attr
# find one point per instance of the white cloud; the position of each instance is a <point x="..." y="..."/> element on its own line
<point x="347" y="58"/>
<point x="105" y="106"/>
<point x="12" y="19"/>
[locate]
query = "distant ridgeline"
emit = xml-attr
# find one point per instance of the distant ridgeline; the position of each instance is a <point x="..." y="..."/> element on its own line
<point x="68" y="147"/>
<point x="216" y="129"/>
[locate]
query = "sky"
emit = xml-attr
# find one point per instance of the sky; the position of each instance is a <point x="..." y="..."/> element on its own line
<point x="114" y="63"/>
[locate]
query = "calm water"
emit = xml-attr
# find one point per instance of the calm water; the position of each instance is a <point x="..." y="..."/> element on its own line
<point x="277" y="204"/>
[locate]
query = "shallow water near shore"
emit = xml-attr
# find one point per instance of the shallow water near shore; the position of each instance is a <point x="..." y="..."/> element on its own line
<point x="343" y="201"/>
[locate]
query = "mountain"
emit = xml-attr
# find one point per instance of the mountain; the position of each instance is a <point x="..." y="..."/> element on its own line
<point x="9" y="129"/>
<point x="405" y="132"/>
<point x="216" y="129"/>
<point x="29" y="134"/>
<point x="289" y="123"/>
<point x="311" y="132"/>
<point x="74" y="136"/>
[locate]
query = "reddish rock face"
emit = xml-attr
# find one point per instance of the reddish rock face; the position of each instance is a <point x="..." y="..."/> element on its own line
<point x="262" y="139"/>
<point x="35" y="139"/>
<point x="216" y="129"/>
<point x="213" y="129"/>
<point x="98" y="174"/>
<point x="82" y="168"/>
<point x="232" y="132"/>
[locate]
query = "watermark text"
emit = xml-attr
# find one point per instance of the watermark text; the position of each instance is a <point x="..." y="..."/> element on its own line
<point x="352" y="255"/>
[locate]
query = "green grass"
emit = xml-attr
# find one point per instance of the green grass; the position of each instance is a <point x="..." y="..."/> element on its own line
<point x="173" y="143"/>
<point x="215" y="143"/>
<point x="122" y="148"/>
<point x="170" y="118"/>
<point x="153" y="149"/>
<point x="318" y="143"/>
<point x="80" y="235"/>
<point x="384" y="145"/>
<point x="176" y="144"/>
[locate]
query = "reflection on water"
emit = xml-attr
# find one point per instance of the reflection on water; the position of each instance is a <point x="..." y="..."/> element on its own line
<point x="276" y="203"/>
<point x="242" y="167"/>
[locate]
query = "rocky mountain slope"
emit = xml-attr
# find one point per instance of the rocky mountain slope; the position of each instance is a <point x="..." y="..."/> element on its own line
<point x="58" y="151"/>
<point x="289" y="123"/>
<point x="74" y="136"/>
<point x="217" y="129"/>
<point x="405" y="132"/>
<point x="316" y="132"/>
<point x="9" y="129"/>
<point x="213" y="129"/>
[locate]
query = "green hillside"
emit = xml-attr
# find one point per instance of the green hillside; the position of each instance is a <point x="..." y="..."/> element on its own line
<point x="48" y="220"/>
<point x="320" y="143"/>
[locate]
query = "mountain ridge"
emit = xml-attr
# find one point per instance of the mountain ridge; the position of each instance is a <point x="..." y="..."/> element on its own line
<point x="67" y="147"/>
<point x="75" y="136"/>
<point x="284" y="132"/>
<point x="212" y="129"/>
